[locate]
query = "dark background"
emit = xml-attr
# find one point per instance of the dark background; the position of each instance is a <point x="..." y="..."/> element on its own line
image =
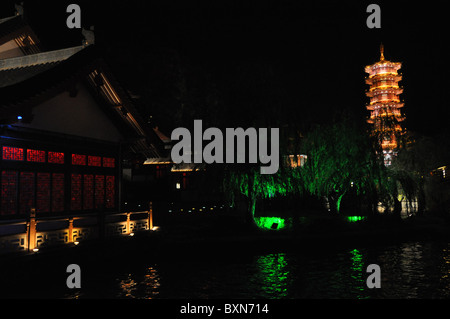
<point x="259" y="62"/>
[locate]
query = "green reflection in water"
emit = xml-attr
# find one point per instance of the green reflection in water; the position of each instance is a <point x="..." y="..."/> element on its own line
<point x="273" y="276"/>
<point x="357" y="271"/>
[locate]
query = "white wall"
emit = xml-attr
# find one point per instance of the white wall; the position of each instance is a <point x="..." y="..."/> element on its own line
<point x="10" y="49"/>
<point x="80" y="116"/>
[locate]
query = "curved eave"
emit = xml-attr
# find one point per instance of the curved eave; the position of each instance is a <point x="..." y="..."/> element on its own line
<point x="385" y="87"/>
<point x="372" y="93"/>
<point x="381" y="76"/>
<point x="381" y="105"/>
<point x="385" y="62"/>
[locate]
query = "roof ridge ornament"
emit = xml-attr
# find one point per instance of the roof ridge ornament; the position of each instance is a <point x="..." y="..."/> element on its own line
<point x="19" y="9"/>
<point x="89" y="36"/>
<point x="381" y="52"/>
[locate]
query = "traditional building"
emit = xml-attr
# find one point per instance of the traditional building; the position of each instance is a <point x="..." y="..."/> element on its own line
<point x="66" y="128"/>
<point x="385" y="104"/>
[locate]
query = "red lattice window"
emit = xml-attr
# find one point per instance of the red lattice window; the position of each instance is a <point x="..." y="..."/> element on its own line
<point x="109" y="162"/>
<point x="36" y="156"/>
<point x="110" y="191"/>
<point x="99" y="191"/>
<point x="9" y="193"/>
<point x="58" y="192"/>
<point x="75" y="192"/>
<point x="26" y="192"/>
<point x="12" y="153"/>
<point x="78" y="159"/>
<point x="88" y="191"/>
<point x="94" y="161"/>
<point x="43" y="192"/>
<point x="56" y="157"/>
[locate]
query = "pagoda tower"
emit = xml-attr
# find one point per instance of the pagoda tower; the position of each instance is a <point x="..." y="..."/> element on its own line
<point x="385" y="104"/>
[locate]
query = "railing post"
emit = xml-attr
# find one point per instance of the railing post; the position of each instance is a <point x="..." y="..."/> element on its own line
<point x="150" y="216"/>
<point x="70" y="230"/>
<point x="127" y="229"/>
<point x="31" y="230"/>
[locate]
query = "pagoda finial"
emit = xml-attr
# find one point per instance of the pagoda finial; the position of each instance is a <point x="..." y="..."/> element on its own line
<point x="381" y="52"/>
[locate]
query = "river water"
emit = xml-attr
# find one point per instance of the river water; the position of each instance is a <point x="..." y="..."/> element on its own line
<point x="408" y="270"/>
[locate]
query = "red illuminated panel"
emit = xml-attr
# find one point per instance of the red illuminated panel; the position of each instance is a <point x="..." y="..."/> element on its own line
<point x="109" y="162"/>
<point x="88" y="192"/>
<point x="36" y="156"/>
<point x="110" y="191"/>
<point x="99" y="191"/>
<point x="78" y="159"/>
<point x="43" y="192"/>
<point x="26" y="192"/>
<point x="12" y="153"/>
<point x="9" y="193"/>
<point x="75" y="192"/>
<point x="56" y="157"/>
<point x="57" y="192"/>
<point x="94" y="161"/>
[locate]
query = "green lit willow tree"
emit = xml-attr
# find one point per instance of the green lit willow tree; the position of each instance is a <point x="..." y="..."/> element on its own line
<point x="247" y="181"/>
<point x="342" y="157"/>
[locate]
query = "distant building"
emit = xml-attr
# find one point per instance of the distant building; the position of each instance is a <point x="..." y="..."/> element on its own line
<point x="385" y="104"/>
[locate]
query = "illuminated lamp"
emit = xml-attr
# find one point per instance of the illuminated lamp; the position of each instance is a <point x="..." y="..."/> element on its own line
<point x="19" y="117"/>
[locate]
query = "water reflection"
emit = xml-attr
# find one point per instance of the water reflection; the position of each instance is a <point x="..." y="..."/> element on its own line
<point x="444" y="280"/>
<point x="135" y="286"/>
<point x="127" y="286"/>
<point x="408" y="270"/>
<point x="358" y="272"/>
<point x="272" y="275"/>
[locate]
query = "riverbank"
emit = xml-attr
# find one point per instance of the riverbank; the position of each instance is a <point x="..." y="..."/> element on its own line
<point x="221" y="235"/>
<point x="43" y="274"/>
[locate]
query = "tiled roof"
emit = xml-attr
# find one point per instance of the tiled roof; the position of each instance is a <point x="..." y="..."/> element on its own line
<point x="31" y="85"/>
<point x="18" y="69"/>
<point x="16" y="75"/>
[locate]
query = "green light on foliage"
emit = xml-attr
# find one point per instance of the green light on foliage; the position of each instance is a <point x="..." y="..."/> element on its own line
<point x="353" y="219"/>
<point x="275" y="223"/>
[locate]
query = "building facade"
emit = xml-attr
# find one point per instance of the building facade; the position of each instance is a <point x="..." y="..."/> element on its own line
<point x="66" y="128"/>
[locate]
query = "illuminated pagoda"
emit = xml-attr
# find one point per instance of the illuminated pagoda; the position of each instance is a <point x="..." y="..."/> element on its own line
<point x="385" y="104"/>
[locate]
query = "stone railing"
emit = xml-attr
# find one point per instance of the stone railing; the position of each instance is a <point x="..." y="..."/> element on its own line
<point x="31" y="234"/>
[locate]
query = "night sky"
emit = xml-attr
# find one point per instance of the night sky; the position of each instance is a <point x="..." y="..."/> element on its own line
<point x="312" y="53"/>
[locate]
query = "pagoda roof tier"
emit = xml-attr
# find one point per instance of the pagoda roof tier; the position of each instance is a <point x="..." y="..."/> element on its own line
<point x="375" y="100"/>
<point x="384" y="87"/>
<point x="375" y="106"/>
<point x="384" y="68"/>
<point x="378" y="91"/>
<point x="380" y="77"/>
<point x="399" y="118"/>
